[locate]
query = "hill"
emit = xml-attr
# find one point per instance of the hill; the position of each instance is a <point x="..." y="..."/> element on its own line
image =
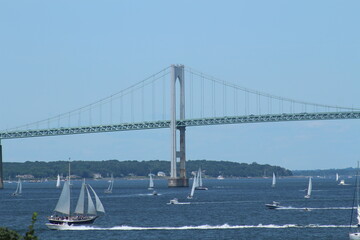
<point x="87" y="169"/>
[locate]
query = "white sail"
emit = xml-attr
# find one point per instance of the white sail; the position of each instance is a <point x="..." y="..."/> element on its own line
<point x="337" y="177"/>
<point x="273" y="180"/>
<point x="20" y="186"/>
<point x="309" y="189"/>
<point x="358" y="214"/>
<point x="193" y="187"/>
<point x="63" y="205"/>
<point x="18" y="190"/>
<point x="91" y="207"/>
<point x="151" y="183"/>
<point x="110" y="185"/>
<point x="80" y="206"/>
<point x="58" y="183"/>
<point x="200" y="178"/>
<point x="99" y="206"/>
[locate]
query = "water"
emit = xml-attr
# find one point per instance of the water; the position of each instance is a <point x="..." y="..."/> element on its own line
<point x="230" y="209"/>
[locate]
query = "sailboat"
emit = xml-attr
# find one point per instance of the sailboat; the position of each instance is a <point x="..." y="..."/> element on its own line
<point x="81" y="215"/>
<point x="337" y="177"/>
<point x="193" y="186"/>
<point x="111" y="185"/>
<point x="199" y="182"/>
<point x="356" y="234"/>
<point x="309" y="189"/>
<point x="58" y="184"/>
<point x="18" y="190"/>
<point x="151" y="183"/>
<point x="273" y="180"/>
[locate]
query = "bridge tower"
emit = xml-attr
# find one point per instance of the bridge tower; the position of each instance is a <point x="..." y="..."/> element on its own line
<point x="177" y="73"/>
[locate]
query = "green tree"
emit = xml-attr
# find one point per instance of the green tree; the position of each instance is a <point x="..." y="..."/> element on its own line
<point x="30" y="234"/>
<point x="8" y="234"/>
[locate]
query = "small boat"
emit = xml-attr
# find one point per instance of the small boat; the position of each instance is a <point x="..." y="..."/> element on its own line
<point x="154" y="193"/>
<point x="176" y="201"/>
<point x="356" y="234"/>
<point x="220" y="177"/>
<point x="199" y="181"/>
<point x="193" y="187"/>
<point x="58" y="182"/>
<point x="18" y="190"/>
<point x="342" y="182"/>
<point x="111" y="185"/>
<point x="273" y="180"/>
<point x="337" y="177"/>
<point x="151" y="182"/>
<point x="273" y="205"/>
<point x="309" y="189"/>
<point x="80" y="216"/>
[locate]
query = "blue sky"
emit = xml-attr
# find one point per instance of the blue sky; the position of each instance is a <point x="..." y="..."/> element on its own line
<point x="56" y="56"/>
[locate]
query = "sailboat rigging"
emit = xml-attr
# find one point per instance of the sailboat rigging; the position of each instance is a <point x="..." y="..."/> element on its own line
<point x="199" y="185"/>
<point x="309" y="189"/>
<point x="18" y="190"/>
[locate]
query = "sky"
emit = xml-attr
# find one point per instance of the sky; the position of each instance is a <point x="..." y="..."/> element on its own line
<point x="56" y="56"/>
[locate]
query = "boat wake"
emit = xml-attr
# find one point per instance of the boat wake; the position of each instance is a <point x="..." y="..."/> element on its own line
<point x="200" y="227"/>
<point x="304" y="208"/>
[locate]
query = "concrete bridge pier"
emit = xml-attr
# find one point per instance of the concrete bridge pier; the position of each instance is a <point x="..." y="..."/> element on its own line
<point x="177" y="73"/>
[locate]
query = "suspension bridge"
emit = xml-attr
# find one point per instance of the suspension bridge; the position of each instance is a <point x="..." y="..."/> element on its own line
<point x="166" y="100"/>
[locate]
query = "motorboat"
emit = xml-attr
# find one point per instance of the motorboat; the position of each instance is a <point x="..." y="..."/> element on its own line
<point x="176" y="201"/>
<point x="273" y="205"/>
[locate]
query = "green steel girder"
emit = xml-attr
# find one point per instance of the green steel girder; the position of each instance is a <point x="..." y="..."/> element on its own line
<point x="183" y="123"/>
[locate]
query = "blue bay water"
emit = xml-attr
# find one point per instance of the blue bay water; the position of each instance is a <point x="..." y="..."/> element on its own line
<point x="230" y="209"/>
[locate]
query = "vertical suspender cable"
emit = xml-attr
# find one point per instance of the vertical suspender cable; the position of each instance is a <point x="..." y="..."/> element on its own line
<point x="142" y="102"/>
<point x="202" y="96"/>
<point x="213" y="98"/>
<point x="100" y="112"/>
<point x="153" y="100"/>
<point x="191" y="94"/>
<point x="132" y="105"/>
<point x="164" y="96"/>
<point x="121" y="107"/>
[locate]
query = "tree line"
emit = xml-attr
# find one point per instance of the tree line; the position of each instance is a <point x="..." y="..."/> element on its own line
<point x="87" y="169"/>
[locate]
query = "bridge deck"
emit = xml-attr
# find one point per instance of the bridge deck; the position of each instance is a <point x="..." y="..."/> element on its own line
<point x="188" y="123"/>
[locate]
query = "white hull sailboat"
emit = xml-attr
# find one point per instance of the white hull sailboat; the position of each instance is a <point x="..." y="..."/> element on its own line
<point x="18" y="190"/>
<point x="273" y="180"/>
<point x="199" y="185"/>
<point x="151" y="182"/>
<point x="80" y="215"/>
<point x="356" y="234"/>
<point x="308" y="195"/>
<point x="58" y="183"/>
<point x="111" y="185"/>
